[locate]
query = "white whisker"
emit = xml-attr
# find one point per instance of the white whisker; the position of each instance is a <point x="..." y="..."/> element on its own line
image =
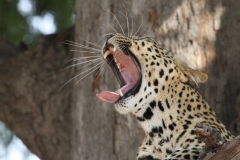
<point x="126" y="19"/>
<point x="108" y="25"/>
<point x="94" y="44"/>
<point x="116" y="20"/>
<point x="93" y="69"/>
<point x="155" y="35"/>
<point x="90" y="61"/>
<point x="97" y="65"/>
<point x="131" y="24"/>
<point x="80" y="45"/>
<point x="152" y="31"/>
<point x="86" y="65"/>
<point x="139" y="27"/>
<point x="82" y="58"/>
<point x="82" y="51"/>
<point x="104" y="36"/>
<point x="100" y="70"/>
<point x="80" y="63"/>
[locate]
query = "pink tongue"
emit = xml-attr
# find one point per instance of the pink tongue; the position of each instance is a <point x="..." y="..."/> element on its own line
<point x="107" y="96"/>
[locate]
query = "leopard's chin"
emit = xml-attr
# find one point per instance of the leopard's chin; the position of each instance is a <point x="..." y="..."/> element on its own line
<point x="122" y="107"/>
<point x="127" y="70"/>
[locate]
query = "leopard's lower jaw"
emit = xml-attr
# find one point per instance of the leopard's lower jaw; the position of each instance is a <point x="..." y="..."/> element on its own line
<point x="122" y="106"/>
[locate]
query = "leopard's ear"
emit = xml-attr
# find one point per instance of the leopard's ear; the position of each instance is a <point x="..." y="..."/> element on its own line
<point x="189" y="74"/>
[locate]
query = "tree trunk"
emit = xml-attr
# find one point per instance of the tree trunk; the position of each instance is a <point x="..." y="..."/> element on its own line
<point x="31" y="105"/>
<point x="190" y="29"/>
<point x="72" y="123"/>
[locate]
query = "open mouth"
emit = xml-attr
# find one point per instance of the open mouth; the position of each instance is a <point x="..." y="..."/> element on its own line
<point x="127" y="70"/>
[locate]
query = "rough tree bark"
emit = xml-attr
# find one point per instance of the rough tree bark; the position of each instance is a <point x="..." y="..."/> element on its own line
<point x="193" y="29"/>
<point x="72" y="124"/>
<point x="31" y="105"/>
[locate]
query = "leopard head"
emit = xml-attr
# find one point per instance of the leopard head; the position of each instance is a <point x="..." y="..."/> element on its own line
<point x="143" y="69"/>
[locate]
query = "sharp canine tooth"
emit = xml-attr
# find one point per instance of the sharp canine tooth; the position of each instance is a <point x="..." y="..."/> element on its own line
<point x="114" y="49"/>
<point x="120" y="93"/>
<point x="119" y="67"/>
<point x="106" y="54"/>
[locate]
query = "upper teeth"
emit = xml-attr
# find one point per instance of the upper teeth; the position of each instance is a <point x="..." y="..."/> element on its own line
<point x="118" y="65"/>
<point x="106" y="54"/>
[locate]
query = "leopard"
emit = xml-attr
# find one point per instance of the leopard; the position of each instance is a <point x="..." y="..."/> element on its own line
<point x="159" y="89"/>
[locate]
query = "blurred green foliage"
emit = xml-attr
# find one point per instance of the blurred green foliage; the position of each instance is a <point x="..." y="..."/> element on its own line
<point x="14" y="25"/>
<point x="61" y="9"/>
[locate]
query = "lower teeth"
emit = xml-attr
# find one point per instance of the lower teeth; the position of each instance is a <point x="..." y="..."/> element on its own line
<point x="120" y="92"/>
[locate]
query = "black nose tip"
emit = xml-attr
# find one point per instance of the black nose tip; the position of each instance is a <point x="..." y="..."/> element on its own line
<point x="106" y="45"/>
<point x="110" y="36"/>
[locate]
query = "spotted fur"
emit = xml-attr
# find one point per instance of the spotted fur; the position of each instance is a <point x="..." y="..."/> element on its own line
<point x="166" y="105"/>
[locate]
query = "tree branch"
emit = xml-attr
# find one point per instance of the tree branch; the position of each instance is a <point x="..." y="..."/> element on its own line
<point x="216" y="148"/>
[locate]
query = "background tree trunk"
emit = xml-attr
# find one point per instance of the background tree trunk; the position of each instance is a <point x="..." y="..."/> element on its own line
<point x="31" y="105"/>
<point x="189" y="28"/>
<point x="73" y="124"/>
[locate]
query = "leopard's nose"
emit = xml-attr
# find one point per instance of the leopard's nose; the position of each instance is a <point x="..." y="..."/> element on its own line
<point x="107" y="45"/>
<point x="110" y="36"/>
